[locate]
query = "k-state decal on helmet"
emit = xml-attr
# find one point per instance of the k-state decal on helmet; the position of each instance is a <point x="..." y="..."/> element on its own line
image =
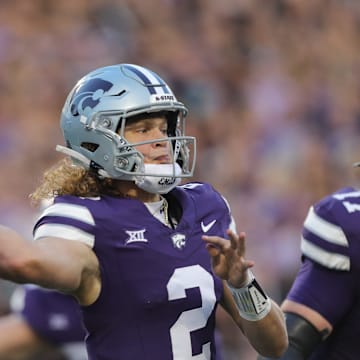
<point x="88" y="95"/>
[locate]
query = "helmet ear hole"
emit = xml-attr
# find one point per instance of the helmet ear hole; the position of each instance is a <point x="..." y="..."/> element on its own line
<point x="172" y="122"/>
<point x="92" y="147"/>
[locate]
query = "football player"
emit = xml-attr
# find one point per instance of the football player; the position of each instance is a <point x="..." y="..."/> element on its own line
<point x="322" y="307"/>
<point x="148" y="259"/>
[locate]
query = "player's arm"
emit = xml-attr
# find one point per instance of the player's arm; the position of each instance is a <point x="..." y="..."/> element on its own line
<point x="18" y="341"/>
<point x="263" y="323"/>
<point x="306" y="329"/>
<point x="306" y="326"/>
<point x="68" y="266"/>
<point x="267" y="335"/>
<point x="314" y="318"/>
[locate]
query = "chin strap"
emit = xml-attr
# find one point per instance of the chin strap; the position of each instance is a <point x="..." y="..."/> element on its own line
<point x="80" y="159"/>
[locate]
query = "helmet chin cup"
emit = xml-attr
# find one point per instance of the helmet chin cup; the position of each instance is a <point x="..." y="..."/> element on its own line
<point x="165" y="178"/>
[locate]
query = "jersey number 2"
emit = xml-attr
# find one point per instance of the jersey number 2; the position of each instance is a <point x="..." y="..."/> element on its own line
<point x="190" y="320"/>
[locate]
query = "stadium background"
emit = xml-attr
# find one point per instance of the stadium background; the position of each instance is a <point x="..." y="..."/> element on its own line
<point x="273" y="91"/>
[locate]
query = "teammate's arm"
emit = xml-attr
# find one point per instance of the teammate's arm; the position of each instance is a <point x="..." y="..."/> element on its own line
<point x="19" y="342"/>
<point x="306" y="329"/>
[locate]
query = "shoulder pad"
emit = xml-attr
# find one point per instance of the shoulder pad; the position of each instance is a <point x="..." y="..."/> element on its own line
<point x="325" y="235"/>
<point x="68" y="218"/>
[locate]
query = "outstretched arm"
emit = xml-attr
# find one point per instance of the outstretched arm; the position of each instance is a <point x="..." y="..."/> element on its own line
<point x="68" y="266"/>
<point x="261" y="321"/>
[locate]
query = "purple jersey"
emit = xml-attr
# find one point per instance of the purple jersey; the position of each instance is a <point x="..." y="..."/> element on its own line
<point x="328" y="280"/>
<point x="159" y="293"/>
<point x="53" y="316"/>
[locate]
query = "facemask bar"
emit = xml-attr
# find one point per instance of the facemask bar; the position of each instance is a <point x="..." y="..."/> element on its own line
<point x="180" y="144"/>
<point x="184" y="143"/>
<point x="125" y="153"/>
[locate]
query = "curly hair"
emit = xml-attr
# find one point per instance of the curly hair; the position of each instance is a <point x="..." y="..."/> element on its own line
<point x="67" y="179"/>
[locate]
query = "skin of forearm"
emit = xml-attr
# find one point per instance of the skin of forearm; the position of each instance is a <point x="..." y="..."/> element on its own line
<point x="24" y="261"/>
<point x="268" y="336"/>
<point x="14" y="255"/>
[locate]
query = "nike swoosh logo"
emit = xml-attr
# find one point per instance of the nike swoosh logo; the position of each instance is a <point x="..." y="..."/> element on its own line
<point x="206" y="228"/>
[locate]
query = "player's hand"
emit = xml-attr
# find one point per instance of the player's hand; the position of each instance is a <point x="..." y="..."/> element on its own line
<point x="227" y="257"/>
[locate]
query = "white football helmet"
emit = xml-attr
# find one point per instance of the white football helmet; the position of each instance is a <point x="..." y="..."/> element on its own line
<point x="94" y="118"/>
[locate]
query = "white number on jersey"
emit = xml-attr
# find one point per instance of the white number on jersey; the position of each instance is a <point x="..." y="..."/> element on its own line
<point x="349" y="206"/>
<point x="190" y="320"/>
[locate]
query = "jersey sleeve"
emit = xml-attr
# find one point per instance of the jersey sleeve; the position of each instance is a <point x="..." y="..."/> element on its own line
<point x="53" y="316"/>
<point x="325" y="281"/>
<point x="331" y="233"/>
<point x="68" y="220"/>
<point x="324" y="241"/>
<point x="232" y="224"/>
<point x="209" y="201"/>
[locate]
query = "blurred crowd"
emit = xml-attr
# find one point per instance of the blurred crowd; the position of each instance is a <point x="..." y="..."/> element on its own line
<point x="272" y="86"/>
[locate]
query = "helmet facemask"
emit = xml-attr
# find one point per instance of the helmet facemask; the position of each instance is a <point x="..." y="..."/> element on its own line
<point x="161" y="178"/>
<point x="127" y="163"/>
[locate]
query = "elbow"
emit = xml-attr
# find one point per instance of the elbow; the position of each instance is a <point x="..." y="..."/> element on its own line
<point x="278" y="342"/>
<point x="277" y="348"/>
<point x="281" y="344"/>
<point x="281" y="348"/>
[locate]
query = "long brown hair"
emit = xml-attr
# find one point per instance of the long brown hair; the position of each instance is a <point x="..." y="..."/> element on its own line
<point x="67" y="179"/>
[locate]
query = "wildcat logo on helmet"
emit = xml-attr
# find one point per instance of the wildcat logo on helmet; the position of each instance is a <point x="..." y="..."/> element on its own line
<point x="88" y="94"/>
